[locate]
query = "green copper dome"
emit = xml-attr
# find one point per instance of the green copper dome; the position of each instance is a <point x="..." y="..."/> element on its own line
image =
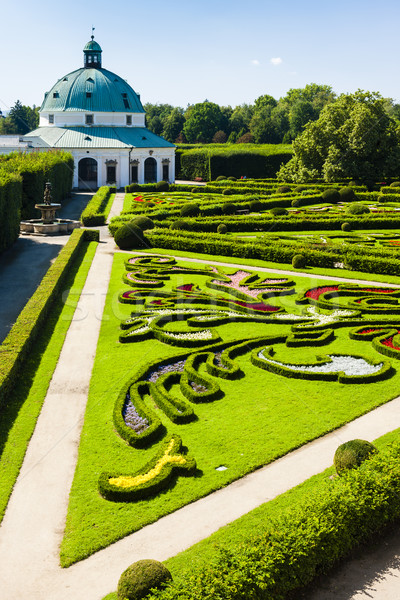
<point x="92" y="46"/>
<point x="90" y="90"/>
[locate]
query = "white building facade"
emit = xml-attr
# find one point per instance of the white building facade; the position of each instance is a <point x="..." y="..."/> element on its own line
<point x="96" y="115"/>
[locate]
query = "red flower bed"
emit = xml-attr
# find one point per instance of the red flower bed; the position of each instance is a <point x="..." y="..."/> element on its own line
<point x="389" y="343"/>
<point x="370" y="330"/>
<point x="316" y="292"/>
<point x="379" y="290"/>
<point x="188" y="287"/>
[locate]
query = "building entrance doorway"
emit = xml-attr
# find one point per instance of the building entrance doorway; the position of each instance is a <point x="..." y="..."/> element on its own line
<point x="87" y="173"/>
<point x="150" y="170"/>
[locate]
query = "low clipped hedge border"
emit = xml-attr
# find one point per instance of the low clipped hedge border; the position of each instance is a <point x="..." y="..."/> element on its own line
<point x="384" y="372"/>
<point x="22" y="336"/>
<point x="304" y="542"/>
<point x="378" y="337"/>
<point x="190" y="373"/>
<point x="154" y="485"/>
<point x="373" y="262"/>
<point x="155" y="429"/>
<point x="319" y="338"/>
<point x="179" y="411"/>
<point x="96" y="212"/>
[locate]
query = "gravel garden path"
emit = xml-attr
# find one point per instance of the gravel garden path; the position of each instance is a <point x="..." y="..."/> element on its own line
<point x="32" y="529"/>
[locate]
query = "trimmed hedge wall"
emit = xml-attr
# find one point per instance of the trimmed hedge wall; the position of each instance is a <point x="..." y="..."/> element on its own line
<point x="22" y="336"/>
<point x="22" y="182"/>
<point x="96" y="212"/>
<point x="10" y="208"/>
<point x="209" y="163"/>
<point x="305" y="541"/>
<point x="35" y="170"/>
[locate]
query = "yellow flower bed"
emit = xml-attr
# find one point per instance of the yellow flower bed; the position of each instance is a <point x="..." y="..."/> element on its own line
<point x="129" y="481"/>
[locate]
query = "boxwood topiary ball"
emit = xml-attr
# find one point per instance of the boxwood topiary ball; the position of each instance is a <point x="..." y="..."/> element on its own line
<point x="357" y="209"/>
<point x="351" y="454"/>
<point x="278" y="211"/>
<point x="346" y="227"/>
<point x="332" y="195"/>
<point x="283" y="189"/>
<point x="190" y="210"/>
<point x="228" y="209"/>
<point x="347" y="194"/>
<point x="143" y="223"/>
<point x="255" y="205"/>
<point x="221" y="178"/>
<point x="299" y="261"/>
<point x="129" y="236"/>
<point x="162" y="186"/>
<point x="222" y="228"/>
<point x="180" y="224"/>
<point x="138" y="579"/>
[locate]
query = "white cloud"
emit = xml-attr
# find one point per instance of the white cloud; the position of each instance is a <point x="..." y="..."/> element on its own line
<point x="276" y="61"/>
<point x="255" y="62"/>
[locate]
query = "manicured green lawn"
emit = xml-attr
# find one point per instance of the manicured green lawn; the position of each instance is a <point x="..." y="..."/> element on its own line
<point x="282" y="266"/>
<point x="261" y="417"/>
<point x="18" y="418"/>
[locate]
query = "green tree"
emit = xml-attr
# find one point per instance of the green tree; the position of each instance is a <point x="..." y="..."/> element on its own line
<point x="173" y="124"/>
<point x="300" y="114"/>
<point x="353" y="137"/>
<point x="21" y="119"/>
<point x="317" y="94"/>
<point x="156" y="115"/>
<point x="203" y="120"/>
<point x="262" y="127"/>
<point x="240" y="118"/>
<point x="264" y="101"/>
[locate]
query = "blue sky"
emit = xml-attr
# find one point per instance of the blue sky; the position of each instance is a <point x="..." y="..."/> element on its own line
<point x="181" y="53"/>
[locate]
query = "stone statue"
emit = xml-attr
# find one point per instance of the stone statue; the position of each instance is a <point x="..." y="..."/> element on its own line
<point x="47" y="194"/>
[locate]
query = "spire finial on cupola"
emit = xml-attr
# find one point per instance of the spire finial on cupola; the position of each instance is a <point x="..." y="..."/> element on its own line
<point x="92" y="54"/>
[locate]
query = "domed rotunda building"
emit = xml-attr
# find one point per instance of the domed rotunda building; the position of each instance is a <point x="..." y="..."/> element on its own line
<point x="96" y="115"/>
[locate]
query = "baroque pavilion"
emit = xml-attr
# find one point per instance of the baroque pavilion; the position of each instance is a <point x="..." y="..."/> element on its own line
<point x="96" y="116"/>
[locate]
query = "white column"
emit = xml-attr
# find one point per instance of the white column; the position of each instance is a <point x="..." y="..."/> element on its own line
<point x="141" y="169"/>
<point x="123" y="170"/>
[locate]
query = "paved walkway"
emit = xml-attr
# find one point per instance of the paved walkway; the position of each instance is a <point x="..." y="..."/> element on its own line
<point x="33" y="525"/>
<point x="23" y="266"/>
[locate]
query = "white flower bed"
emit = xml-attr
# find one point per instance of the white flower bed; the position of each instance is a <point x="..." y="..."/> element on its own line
<point x="349" y="365"/>
<point x="206" y="334"/>
<point x="321" y="319"/>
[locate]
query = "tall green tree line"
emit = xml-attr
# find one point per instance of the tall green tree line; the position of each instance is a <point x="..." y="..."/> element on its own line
<point x="19" y="120"/>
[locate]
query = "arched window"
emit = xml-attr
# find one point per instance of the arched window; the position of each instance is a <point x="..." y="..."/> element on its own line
<point x="150" y="170"/>
<point x="87" y="173"/>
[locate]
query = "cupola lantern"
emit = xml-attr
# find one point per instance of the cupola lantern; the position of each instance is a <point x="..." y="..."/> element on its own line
<point x="92" y="55"/>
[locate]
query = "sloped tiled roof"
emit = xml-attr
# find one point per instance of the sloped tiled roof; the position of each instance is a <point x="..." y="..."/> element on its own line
<point x="99" y="137"/>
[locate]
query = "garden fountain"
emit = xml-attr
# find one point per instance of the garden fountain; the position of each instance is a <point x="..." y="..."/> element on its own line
<point x="48" y="224"/>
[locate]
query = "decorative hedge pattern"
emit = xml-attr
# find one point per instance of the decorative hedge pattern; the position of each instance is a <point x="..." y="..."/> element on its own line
<point x="177" y="384"/>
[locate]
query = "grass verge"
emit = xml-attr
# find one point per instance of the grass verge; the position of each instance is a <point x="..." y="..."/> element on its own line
<point x="18" y="418"/>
